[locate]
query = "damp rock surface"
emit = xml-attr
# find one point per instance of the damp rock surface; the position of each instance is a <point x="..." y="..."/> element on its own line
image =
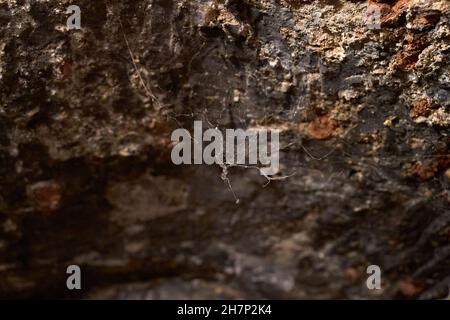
<point x="86" y="176"/>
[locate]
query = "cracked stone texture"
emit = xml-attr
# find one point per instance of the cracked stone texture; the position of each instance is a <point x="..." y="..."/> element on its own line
<point x="85" y="170"/>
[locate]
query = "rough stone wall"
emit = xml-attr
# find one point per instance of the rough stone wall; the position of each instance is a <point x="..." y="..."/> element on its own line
<point x="86" y="176"/>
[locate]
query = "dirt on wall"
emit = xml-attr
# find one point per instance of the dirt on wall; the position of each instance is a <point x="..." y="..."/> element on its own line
<point x="86" y="175"/>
